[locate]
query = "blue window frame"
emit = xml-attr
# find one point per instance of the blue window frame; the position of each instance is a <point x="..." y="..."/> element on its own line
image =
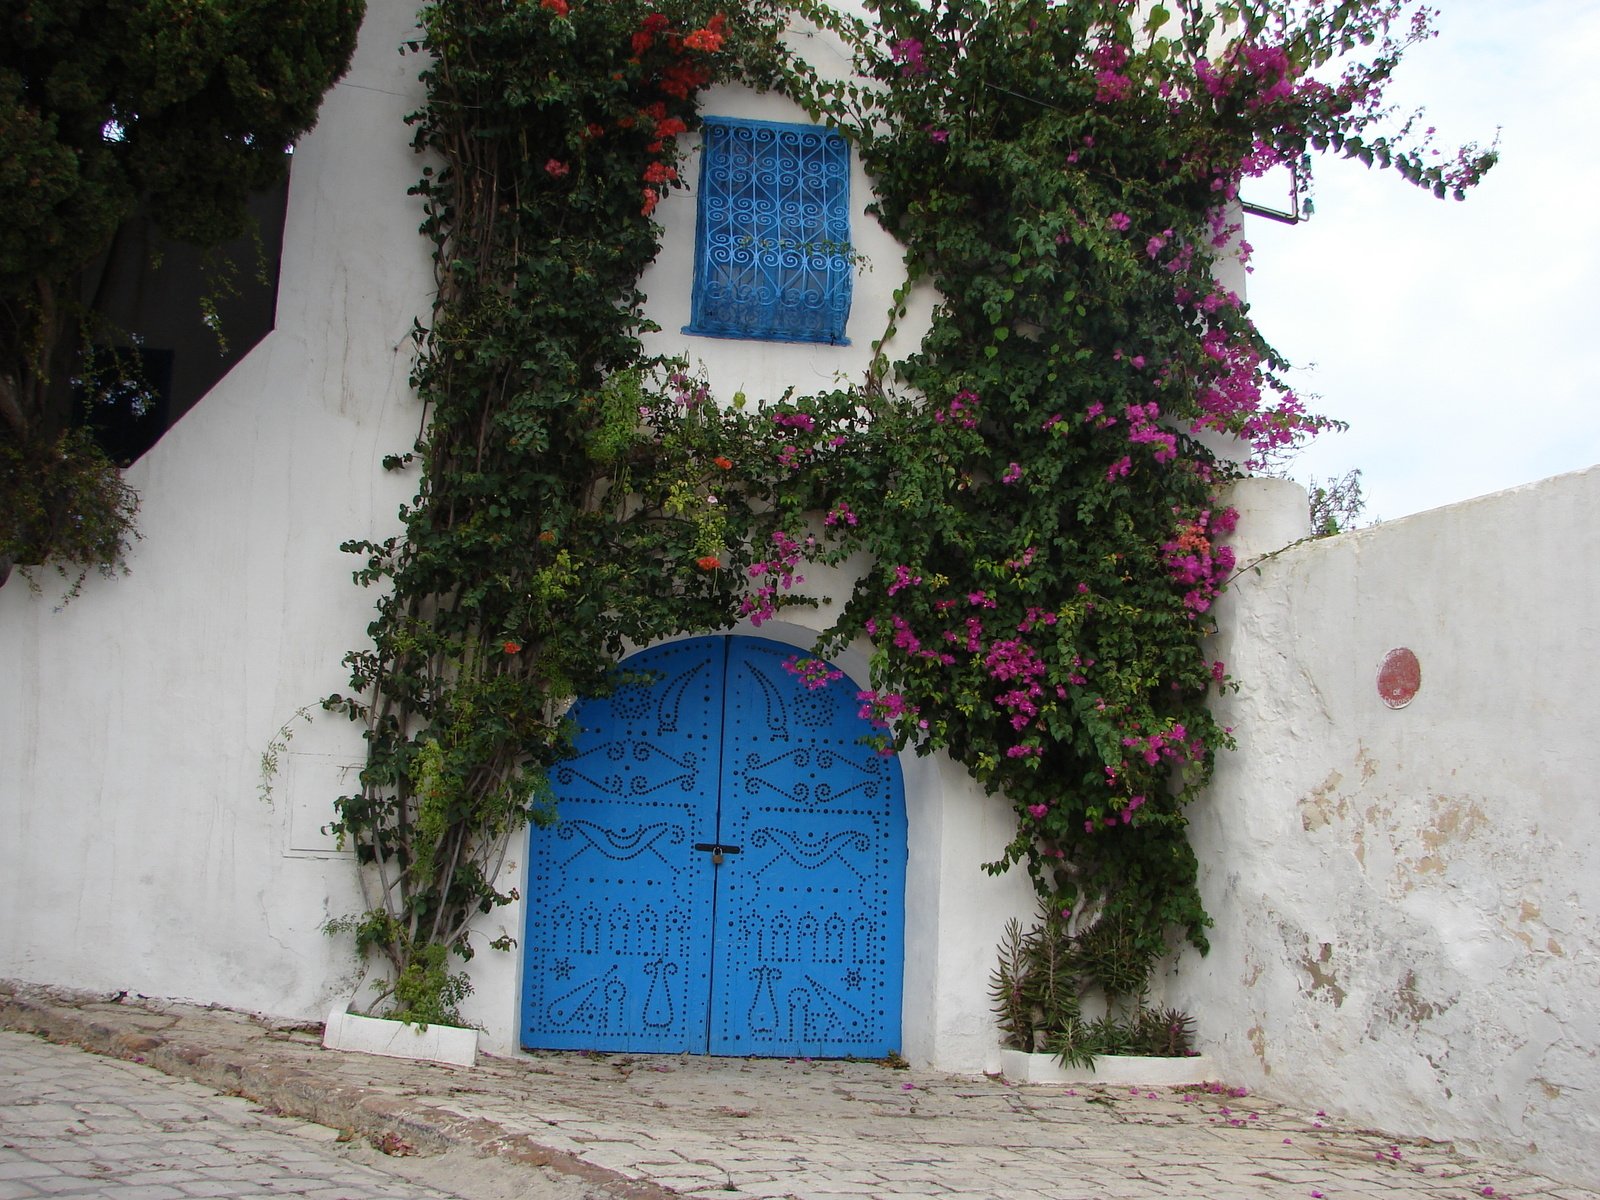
<point x="772" y="253"/>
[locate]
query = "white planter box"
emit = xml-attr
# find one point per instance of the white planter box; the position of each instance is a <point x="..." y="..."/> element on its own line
<point x="1129" y="1069"/>
<point x="396" y="1039"/>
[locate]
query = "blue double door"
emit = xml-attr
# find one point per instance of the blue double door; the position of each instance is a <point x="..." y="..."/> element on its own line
<point x="727" y="870"/>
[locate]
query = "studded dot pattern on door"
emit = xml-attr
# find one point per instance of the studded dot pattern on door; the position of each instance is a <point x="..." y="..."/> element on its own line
<point x="727" y="871"/>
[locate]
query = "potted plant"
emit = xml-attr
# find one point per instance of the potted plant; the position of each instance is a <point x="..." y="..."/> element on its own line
<point x="423" y="1021"/>
<point x="1071" y="996"/>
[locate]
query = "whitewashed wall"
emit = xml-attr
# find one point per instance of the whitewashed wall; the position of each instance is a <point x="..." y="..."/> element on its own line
<point x="136" y="851"/>
<point x="1406" y="898"/>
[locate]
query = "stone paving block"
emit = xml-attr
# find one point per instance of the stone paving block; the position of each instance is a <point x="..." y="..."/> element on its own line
<point x="53" y="1185"/>
<point x="22" y="1167"/>
<point x="194" y="1153"/>
<point x="168" y="1176"/>
<point x="313" y="1133"/>
<point x="23" y="1126"/>
<point x="248" y="1143"/>
<point x="904" y="1179"/>
<point x="159" y="1110"/>
<point x="58" y="1152"/>
<point x="47" y="1110"/>
<point x="713" y="1183"/>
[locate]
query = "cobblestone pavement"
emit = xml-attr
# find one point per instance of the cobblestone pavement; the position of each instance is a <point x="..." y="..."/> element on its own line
<point x="651" y="1127"/>
<point x="75" y="1124"/>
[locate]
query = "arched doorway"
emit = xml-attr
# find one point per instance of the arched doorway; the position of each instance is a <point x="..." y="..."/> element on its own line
<point x="727" y="872"/>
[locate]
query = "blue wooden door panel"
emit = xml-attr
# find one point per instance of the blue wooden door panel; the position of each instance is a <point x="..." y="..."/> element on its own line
<point x="807" y="951"/>
<point x="790" y="946"/>
<point x="616" y="954"/>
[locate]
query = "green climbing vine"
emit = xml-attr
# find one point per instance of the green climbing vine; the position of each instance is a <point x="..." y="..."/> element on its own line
<point x="1034" y="486"/>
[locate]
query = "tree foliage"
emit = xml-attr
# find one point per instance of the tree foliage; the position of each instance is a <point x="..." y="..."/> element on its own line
<point x="181" y="107"/>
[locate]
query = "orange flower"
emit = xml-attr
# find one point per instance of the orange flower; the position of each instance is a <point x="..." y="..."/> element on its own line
<point x="559" y="7"/>
<point x="511" y="647"/>
<point x="679" y="79"/>
<point x="547" y="536"/>
<point x="725" y="463"/>
<point x="708" y="562"/>
<point x="710" y="38"/>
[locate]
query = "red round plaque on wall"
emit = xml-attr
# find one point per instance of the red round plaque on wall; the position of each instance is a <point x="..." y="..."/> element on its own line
<point x="1399" y="677"/>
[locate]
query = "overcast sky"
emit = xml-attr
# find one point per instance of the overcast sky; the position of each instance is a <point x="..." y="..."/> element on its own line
<point x="1459" y="340"/>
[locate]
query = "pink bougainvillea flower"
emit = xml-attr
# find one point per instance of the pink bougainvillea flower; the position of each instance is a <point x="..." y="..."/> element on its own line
<point x="908" y="53"/>
<point x="796" y="420"/>
<point x="1111" y="86"/>
<point x="1119" y="221"/>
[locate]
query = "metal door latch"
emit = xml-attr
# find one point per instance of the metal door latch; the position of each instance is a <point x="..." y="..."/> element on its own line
<point x="716" y="850"/>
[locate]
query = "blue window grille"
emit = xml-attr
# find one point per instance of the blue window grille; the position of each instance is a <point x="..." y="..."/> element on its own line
<point x="772" y="245"/>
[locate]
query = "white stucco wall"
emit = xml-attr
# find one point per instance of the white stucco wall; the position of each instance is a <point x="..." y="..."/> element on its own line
<point x="1406" y="898"/>
<point x="137" y="851"/>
